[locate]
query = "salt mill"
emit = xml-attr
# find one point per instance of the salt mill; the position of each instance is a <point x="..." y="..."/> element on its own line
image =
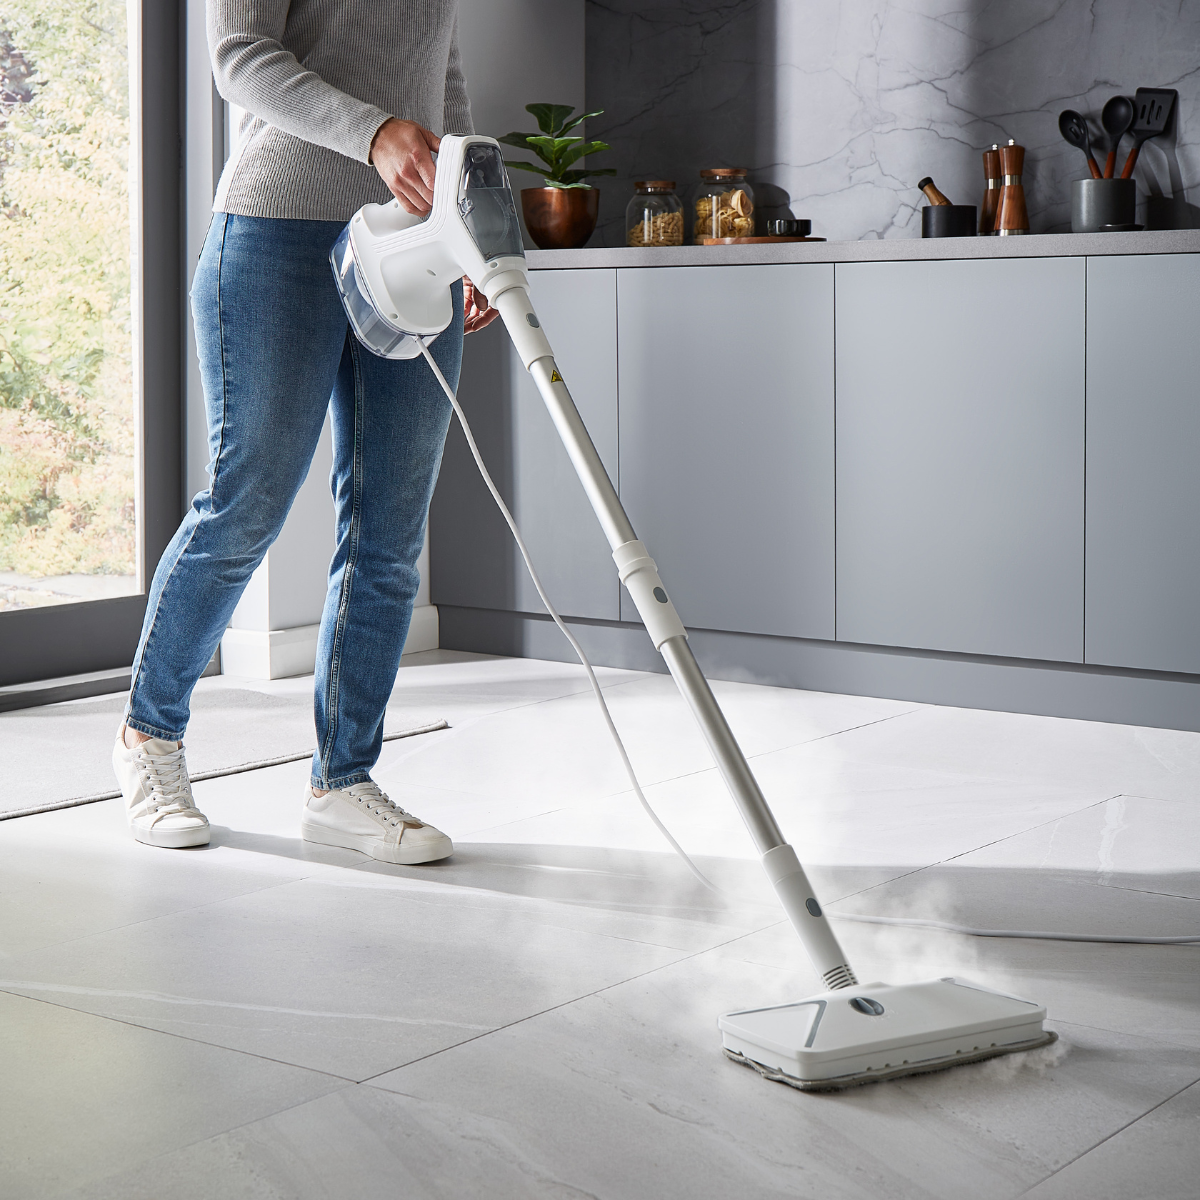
<point x="1012" y="217"/>
<point x="991" y="195"/>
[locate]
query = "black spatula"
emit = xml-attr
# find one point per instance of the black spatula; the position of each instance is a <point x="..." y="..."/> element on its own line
<point x="1152" y="114"/>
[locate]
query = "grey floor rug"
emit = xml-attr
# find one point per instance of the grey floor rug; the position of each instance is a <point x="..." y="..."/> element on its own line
<point x="59" y="755"/>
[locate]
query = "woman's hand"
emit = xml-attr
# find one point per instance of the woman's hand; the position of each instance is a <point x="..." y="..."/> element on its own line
<point x="402" y="153"/>
<point x="477" y="312"/>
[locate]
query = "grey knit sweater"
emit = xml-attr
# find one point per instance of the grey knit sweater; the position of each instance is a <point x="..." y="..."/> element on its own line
<point x="317" y="78"/>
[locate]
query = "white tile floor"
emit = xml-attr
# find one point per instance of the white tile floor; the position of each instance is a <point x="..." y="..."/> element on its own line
<point x="536" y="1017"/>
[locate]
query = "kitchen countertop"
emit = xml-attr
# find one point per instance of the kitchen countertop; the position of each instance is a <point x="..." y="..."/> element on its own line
<point x="1038" y="245"/>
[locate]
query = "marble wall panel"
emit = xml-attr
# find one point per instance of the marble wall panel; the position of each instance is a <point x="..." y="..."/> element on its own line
<point x="839" y="108"/>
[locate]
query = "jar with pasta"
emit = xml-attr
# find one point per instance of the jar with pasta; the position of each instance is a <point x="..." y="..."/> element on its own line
<point x="724" y="204"/>
<point x="654" y="216"/>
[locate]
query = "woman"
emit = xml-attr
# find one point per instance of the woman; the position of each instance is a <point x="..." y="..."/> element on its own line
<point x="343" y="100"/>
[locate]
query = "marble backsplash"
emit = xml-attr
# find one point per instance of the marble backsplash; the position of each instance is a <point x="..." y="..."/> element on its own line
<point x="839" y="108"/>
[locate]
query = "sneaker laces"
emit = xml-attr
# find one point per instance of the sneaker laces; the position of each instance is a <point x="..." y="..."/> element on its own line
<point x="373" y="800"/>
<point x="166" y="780"/>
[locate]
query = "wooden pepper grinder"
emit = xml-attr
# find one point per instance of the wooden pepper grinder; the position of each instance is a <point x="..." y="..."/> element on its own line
<point x="991" y="196"/>
<point x="1012" y="217"/>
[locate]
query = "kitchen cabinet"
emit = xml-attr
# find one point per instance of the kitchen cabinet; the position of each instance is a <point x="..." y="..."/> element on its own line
<point x="960" y="426"/>
<point x="725" y="380"/>
<point x="474" y="562"/>
<point x="1143" y="445"/>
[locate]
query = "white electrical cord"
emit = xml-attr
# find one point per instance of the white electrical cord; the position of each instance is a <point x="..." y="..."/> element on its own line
<point x="541" y="591"/>
<point x="637" y="787"/>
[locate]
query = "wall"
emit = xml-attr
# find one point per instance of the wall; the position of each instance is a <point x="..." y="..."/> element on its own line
<point x="839" y="108"/>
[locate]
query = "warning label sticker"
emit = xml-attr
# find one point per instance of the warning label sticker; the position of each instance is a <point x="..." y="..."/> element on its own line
<point x="555" y="377"/>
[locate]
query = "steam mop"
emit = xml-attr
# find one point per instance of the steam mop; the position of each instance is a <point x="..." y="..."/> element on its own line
<point x="394" y="272"/>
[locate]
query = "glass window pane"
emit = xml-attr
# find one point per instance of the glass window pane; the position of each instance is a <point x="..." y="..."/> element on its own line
<point x="68" y="527"/>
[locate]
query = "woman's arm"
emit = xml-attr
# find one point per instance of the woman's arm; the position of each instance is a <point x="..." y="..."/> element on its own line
<point x="456" y="114"/>
<point x="255" y="72"/>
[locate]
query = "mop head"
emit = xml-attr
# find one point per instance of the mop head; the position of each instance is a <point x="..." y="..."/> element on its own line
<point x="872" y="1032"/>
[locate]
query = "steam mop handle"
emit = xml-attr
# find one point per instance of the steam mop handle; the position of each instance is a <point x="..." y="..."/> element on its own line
<point x="640" y="576"/>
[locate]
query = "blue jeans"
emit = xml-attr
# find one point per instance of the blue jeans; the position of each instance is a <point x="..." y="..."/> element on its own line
<point x="275" y="353"/>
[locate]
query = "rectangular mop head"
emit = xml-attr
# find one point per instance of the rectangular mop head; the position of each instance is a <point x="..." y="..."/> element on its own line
<point x="874" y="1031"/>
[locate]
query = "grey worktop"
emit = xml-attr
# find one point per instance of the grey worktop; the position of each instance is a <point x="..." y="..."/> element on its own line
<point x="1041" y="245"/>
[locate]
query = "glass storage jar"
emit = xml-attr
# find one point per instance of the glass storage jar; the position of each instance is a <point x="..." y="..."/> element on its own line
<point x="724" y="204"/>
<point x="654" y="216"/>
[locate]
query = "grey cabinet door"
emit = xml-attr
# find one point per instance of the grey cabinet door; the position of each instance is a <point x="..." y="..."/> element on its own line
<point x="473" y="560"/>
<point x="960" y="409"/>
<point x="726" y="435"/>
<point x="1143" y="447"/>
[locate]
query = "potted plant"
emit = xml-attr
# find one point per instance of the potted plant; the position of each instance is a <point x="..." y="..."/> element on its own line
<point x="562" y="213"/>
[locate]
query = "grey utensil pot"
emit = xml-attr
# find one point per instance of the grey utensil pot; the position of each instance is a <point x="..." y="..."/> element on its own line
<point x="948" y="220"/>
<point x="1099" y="202"/>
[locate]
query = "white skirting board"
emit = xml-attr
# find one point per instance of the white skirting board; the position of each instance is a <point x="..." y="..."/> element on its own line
<point x="259" y="654"/>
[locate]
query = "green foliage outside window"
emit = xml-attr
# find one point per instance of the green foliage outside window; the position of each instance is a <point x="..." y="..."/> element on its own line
<point x="66" y="361"/>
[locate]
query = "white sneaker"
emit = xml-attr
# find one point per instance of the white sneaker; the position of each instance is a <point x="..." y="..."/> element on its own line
<point x="158" y="795"/>
<point x="362" y="818"/>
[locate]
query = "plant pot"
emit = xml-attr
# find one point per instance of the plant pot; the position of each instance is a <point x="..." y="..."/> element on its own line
<point x="560" y="218"/>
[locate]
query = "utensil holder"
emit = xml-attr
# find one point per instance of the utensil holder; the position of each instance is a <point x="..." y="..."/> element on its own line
<point x="948" y="220"/>
<point x="1099" y="202"/>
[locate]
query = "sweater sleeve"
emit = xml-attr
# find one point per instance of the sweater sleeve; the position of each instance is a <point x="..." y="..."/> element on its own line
<point x="255" y="72"/>
<point x="456" y="114"/>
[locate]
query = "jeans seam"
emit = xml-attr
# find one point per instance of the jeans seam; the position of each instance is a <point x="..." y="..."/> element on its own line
<point x="347" y="588"/>
<point x="165" y="735"/>
<point x="212" y="489"/>
<point x="334" y="785"/>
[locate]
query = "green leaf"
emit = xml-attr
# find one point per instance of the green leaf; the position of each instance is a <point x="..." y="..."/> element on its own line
<point x="524" y="166"/>
<point x="580" y="119"/>
<point x="585" y="148"/>
<point x="552" y="148"/>
<point x="557" y="183"/>
<point x="517" y="139"/>
<point x="550" y="117"/>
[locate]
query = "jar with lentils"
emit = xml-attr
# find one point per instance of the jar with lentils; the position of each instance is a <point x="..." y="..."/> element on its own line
<point x="654" y="216"/>
<point x="724" y="204"/>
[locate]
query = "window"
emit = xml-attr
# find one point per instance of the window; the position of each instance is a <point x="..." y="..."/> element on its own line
<point x="90" y="326"/>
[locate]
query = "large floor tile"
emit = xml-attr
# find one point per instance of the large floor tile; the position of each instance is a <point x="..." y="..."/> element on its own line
<point x="560" y="750"/>
<point x="833" y="810"/>
<point x="1131" y="843"/>
<point x="82" y="1097"/>
<point x="1055" y="751"/>
<point x="592" y="1094"/>
<point x="1155" y="1158"/>
<point x="356" y="976"/>
<point x="52" y="893"/>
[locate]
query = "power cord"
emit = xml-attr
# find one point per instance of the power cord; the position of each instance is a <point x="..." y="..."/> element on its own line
<point x="541" y="591"/>
<point x="633" y="779"/>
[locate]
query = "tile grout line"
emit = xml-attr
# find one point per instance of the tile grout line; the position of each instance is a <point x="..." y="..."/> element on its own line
<point x="684" y="775"/>
<point x="974" y="850"/>
<point x="566" y="1003"/>
<point x="179" y="1037"/>
<point x="1109" y="1137"/>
